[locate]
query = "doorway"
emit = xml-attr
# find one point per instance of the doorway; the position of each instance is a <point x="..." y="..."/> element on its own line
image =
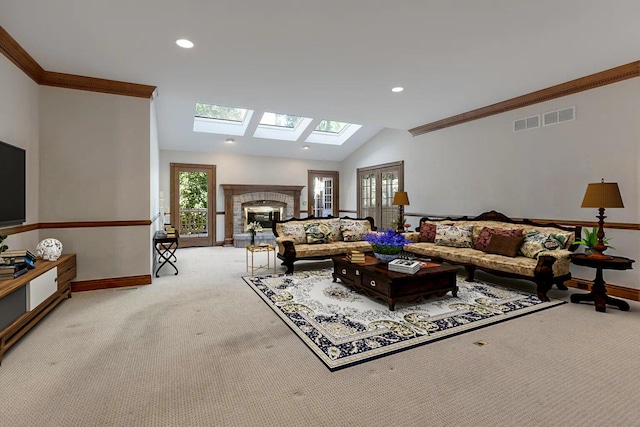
<point x="193" y="203"/>
<point x="376" y="187"/>
<point x="323" y="193"/>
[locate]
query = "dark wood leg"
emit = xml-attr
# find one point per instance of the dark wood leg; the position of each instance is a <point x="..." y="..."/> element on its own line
<point x="392" y="304"/>
<point x="599" y="297"/>
<point x="543" y="276"/>
<point x="289" y="264"/>
<point x="471" y="271"/>
<point x="454" y="291"/>
<point x="561" y="286"/>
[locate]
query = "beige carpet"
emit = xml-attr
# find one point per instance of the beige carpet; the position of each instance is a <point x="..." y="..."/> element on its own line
<point x="202" y="349"/>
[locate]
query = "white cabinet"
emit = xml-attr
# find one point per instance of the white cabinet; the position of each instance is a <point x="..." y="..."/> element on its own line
<point x="42" y="287"/>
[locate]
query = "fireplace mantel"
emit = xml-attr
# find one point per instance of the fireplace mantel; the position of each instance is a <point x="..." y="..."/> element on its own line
<point x="231" y="190"/>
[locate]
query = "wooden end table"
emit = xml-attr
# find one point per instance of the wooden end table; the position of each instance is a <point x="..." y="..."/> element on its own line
<point x="598" y="292"/>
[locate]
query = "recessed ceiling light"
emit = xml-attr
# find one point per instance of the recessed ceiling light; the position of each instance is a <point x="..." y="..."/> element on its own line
<point x="397" y="89"/>
<point x="305" y="147"/>
<point x="187" y="44"/>
<point x="229" y="140"/>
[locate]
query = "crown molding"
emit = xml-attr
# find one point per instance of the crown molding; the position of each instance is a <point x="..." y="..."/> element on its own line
<point x="592" y="81"/>
<point x="16" y="54"/>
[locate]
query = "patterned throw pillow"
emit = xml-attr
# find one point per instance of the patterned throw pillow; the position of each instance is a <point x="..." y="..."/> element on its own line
<point x="318" y="232"/>
<point x="296" y="232"/>
<point x="484" y="238"/>
<point x="427" y="232"/>
<point x="336" y="233"/>
<point x="354" y="230"/>
<point x="536" y="242"/>
<point x="454" y="236"/>
<point x="504" y="245"/>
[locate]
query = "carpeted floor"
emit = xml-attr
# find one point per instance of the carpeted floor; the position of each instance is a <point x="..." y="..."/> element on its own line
<point x="201" y="349"/>
<point x="344" y="327"/>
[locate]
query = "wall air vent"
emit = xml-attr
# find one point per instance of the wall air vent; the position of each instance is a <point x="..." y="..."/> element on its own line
<point x="559" y="116"/>
<point x="526" y="123"/>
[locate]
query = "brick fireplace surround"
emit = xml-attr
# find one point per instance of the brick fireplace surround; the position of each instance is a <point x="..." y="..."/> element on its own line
<point x="236" y="194"/>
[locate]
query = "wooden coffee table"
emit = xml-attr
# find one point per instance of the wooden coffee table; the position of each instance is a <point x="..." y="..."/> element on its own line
<point x="375" y="280"/>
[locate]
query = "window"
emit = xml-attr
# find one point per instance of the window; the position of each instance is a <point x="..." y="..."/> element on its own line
<point x="280" y="120"/>
<point x="330" y="126"/>
<point x="221" y="119"/>
<point x="220" y="112"/>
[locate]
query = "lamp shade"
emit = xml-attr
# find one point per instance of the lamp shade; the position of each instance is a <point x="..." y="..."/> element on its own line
<point x="602" y="195"/>
<point x="401" y="198"/>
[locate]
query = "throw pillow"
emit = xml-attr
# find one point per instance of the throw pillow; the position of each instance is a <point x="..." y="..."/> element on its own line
<point x="354" y="230"/>
<point x="485" y="235"/>
<point x="296" y="232"/>
<point x="504" y="245"/>
<point x="454" y="236"/>
<point x="427" y="232"/>
<point x="318" y="232"/>
<point x="336" y="233"/>
<point x="536" y="242"/>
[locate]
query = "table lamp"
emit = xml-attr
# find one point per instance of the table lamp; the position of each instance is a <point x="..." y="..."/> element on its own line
<point x="602" y="195"/>
<point x="400" y="199"/>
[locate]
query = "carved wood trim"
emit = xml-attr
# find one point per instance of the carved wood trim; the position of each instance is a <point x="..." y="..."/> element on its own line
<point x="612" y="290"/>
<point x="591" y="224"/>
<point x="16" y="54"/>
<point x="113" y="282"/>
<point x="231" y="190"/>
<point x="592" y="81"/>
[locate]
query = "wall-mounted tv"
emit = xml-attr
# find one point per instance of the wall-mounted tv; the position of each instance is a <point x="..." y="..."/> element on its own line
<point x="12" y="185"/>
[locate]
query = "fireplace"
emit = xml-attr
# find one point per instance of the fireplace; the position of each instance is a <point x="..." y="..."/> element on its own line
<point x="261" y="202"/>
<point x="264" y="212"/>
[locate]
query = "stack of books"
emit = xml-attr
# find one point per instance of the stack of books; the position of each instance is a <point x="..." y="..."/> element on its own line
<point x="404" y="266"/>
<point x="171" y="232"/>
<point x="12" y="271"/>
<point x="356" y="256"/>
<point x="18" y="256"/>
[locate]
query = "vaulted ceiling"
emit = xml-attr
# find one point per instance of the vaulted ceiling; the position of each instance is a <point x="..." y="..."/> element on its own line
<point x="330" y="59"/>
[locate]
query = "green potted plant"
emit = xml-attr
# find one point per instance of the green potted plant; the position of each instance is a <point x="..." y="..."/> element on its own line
<point x="590" y="239"/>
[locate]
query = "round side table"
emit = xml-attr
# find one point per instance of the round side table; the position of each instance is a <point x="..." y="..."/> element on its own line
<point x="598" y="292"/>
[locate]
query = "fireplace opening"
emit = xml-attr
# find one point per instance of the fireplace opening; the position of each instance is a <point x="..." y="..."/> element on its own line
<point x="265" y="212"/>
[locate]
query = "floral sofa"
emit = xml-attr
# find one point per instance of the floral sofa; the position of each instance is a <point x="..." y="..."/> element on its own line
<point x="522" y="249"/>
<point x="320" y="238"/>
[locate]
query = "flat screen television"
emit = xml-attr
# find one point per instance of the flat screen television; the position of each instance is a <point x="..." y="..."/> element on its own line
<point x="12" y="185"/>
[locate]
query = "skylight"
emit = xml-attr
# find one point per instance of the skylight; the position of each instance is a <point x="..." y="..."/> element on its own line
<point x="220" y="112"/>
<point x="280" y="120"/>
<point x="221" y="119"/>
<point x="331" y="126"/>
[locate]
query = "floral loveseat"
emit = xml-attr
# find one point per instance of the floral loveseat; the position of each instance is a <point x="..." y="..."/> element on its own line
<point x="522" y="249"/>
<point x="320" y="238"/>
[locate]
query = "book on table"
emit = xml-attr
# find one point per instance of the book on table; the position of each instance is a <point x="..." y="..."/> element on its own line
<point x="356" y="256"/>
<point x="404" y="266"/>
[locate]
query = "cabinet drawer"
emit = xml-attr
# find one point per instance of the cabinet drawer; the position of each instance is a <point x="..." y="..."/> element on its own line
<point x="348" y="271"/>
<point x="375" y="283"/>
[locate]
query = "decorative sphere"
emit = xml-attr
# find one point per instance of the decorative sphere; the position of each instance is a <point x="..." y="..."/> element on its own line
<point x="49" y="249"/>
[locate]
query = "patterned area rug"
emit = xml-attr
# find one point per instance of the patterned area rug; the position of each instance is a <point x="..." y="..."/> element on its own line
<point x="344" y="327"/>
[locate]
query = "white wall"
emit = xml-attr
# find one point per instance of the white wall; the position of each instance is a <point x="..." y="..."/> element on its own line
<point x="19" y="115"/>
<point x="95" y="166"/>
<point x="539" y="173"/>
<point x="234" y="169"/>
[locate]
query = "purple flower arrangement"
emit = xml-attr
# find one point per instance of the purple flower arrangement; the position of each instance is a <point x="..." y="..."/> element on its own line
<point x="387" y="242"/>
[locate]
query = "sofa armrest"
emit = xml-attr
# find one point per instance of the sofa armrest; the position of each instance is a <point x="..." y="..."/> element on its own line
<point x="562" y="263"/>
<point x="286" y="246"/>
<point x="412" y="235"/>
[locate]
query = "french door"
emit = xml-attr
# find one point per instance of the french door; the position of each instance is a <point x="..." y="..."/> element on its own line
<point x="376" y="188"/>
<point x="193" y="203"/>
<point x="323" y="193"/>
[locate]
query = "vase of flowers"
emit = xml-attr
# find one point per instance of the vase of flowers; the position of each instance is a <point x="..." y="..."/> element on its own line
<point x="253" y="228"/>
<point x="386" y="244"/>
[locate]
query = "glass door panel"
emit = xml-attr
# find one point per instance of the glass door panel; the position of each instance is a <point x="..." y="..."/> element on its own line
<point x="323" y="193"/>
<point x="192" y="201"/>
<point x="377" y="187"/>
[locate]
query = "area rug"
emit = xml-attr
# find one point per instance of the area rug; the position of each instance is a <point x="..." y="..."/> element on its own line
<point x="344" y="327"/>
